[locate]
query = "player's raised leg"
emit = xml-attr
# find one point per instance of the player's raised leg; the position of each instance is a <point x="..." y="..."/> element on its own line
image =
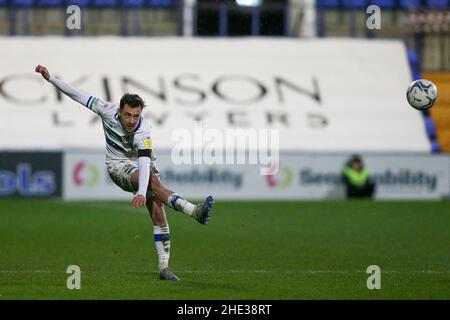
<point x="200" y="212"/>
<point x="161" y="234"/>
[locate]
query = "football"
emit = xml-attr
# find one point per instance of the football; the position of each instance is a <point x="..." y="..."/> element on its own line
<point x="421" y="94"/>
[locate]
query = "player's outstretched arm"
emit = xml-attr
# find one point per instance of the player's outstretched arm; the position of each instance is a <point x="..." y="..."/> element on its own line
<point x="43" y="71"/>
<point x="74" y="93"/>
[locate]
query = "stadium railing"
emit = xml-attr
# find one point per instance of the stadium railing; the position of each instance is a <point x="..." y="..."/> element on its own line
<point x="18" y="13"/>
<point x="225" y="11"/>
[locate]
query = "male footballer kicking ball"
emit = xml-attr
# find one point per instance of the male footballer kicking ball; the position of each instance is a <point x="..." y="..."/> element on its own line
<point x="129" y="160"/>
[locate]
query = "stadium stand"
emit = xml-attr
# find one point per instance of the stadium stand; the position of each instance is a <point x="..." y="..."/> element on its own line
<point x="440" y="113"/>
<point x="112" y="17"/>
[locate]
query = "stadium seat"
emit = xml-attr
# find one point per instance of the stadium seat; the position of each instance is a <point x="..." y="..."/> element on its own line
<point x="430" y="127"/>
<point x="105" y="3"/>
<point x="437" y="4"/>
<point x="435" y="146"/>
<point x="80" y="3"/>
<point x="444" y="140"/>
<point x="414" y="63"/>
<point x="412" y="58"/>
<point x="3" y="3"/>
<point x="50" y="3"/>
<point x="390" y="4"/>
<point x="160" y="3"/>
<point x="409" y="4"/>
<point x="133" y="3"/>
<point x="354" y="4"/>
<point x="327" y="3"/>
<point x="416" y="75"/>
<point x="22" y="3"/>
<point x="441" y="117"/>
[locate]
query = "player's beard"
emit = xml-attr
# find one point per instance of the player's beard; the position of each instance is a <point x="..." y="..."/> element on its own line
<point x="126" y="128"/>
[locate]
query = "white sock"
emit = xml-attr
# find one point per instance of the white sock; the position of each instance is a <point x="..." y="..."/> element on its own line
<point x="162" y="242"/>
<point x="180" y="204"/>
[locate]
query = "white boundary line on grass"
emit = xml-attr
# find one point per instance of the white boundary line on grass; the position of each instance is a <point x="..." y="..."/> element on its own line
<point x="247" y="271"/>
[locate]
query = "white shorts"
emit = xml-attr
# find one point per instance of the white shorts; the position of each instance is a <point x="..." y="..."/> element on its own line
<point x="120" y="172"/>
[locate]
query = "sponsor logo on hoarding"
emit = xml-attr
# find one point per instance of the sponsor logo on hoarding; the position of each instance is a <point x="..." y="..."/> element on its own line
<point x="27" y="183"/>
<point x="407" y="177"/>
<point x="389" y="178"/>
<point x="85" y="174"/>
<point x="202" y="177"/>
<point x="282" y="179"/>
<point x="309" y="176"/>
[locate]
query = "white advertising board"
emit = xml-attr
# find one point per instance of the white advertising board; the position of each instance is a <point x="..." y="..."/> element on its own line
<point x="300" y="176"/>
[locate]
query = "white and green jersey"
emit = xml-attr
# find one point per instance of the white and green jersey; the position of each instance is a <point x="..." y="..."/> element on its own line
<point x="119" y="144"/>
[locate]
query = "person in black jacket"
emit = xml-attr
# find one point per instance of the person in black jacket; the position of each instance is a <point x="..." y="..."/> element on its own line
<point x="356" y="178"/>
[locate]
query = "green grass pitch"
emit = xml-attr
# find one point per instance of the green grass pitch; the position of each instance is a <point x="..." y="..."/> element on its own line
<point x="250" y="250"/>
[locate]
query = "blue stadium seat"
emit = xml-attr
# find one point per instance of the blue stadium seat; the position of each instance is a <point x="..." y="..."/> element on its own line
<point x="50" y="3"/>
<point x="327" y="3"/>
<point x="437" y="4"/>
<point x="435" y="147"/>
<point x="3" y="3"/>
<point x="355" y="4"/>
<point x="416" y="75"/>
<point x="410" y="3"/>
<point x="22" y="3"/>
<point x="133" y="3"/>
<point x="430" y="127"/>
<point x="105" y="3"/>
<point x="384" y="3"/>
<point x="161" y="3"/>
<point x="80" y="3"/>
<point x="413" y="59"/>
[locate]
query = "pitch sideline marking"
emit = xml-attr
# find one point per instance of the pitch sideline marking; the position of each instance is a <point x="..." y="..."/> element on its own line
<point x="247" y="271"/>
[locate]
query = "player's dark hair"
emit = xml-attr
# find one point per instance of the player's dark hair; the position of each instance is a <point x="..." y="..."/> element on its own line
<point x="133" y="100"/>
<point x="356" y="159"/>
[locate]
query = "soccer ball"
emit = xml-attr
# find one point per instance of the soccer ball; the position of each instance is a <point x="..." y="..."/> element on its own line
<point x="421" y="94"/>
